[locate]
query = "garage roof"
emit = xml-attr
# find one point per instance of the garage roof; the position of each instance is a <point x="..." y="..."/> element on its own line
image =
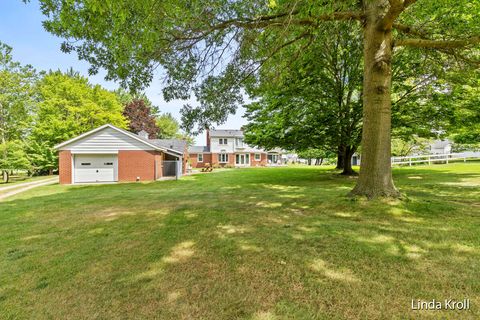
<point x="155" y="144"/>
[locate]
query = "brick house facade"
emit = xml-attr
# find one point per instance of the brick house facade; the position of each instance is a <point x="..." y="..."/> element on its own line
<point x="225" y="148"/>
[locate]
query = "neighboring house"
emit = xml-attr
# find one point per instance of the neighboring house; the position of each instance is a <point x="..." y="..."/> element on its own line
<point x="441" y="147"/>
<point x="227" y="148"/>
<point x="111" y="154"/>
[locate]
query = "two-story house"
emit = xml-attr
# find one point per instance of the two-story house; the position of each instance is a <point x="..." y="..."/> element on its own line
<point x="227" y="148"/>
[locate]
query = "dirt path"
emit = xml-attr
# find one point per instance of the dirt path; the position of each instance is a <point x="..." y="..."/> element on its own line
<point x="21" y="187"/>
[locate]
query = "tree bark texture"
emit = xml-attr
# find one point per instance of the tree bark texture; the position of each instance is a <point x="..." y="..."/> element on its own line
<point x="375" y="178"/>
<point x="347" y="162"/>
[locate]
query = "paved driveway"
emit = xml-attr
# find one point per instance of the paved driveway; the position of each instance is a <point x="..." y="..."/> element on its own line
<point x="21" y="187"/>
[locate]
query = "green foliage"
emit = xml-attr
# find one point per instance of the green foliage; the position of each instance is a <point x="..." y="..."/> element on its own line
<point x="13" y="156"/>
<point x="69" y="105"/>
<point x="414" y="145"/>
<point x="168" y="125"/>
<point x="42" y="156"/>
<point x="126" y="97"/>
<point x="17" y="96"/>
<point x="312" y="153"/>
<point x="463" y="98"/>
<point x="214" y="48"/>
<point x="314" y="101"/>
<point x="170" y="128"/>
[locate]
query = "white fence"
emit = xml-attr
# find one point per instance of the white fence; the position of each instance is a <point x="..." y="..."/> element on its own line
<point x="435" y="158"/>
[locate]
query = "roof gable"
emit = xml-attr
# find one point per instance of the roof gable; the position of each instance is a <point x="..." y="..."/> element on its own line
<point x="110" y="138"/>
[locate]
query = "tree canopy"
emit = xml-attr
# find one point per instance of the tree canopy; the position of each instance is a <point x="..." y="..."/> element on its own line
<point x="315" y="101"/>
<point x="213" y="49"/>
<point x="69" y="105"/>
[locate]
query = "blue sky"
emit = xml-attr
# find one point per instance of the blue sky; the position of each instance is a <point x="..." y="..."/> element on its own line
<point x="21" y="28"/>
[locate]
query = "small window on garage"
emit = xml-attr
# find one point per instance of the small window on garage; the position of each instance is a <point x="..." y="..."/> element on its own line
<point x="200" y="157"/>
<point x="108" y="163"/>
<point x="257" y="156"/>
<point x="86" y="163"/>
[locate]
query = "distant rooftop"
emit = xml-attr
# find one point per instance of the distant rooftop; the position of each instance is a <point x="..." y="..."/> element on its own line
<point x="174" y="144"/>
<point x="198" y="149"/>
<point x="226" y="133"/>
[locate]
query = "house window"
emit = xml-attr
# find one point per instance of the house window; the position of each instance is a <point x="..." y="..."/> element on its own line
<point x="200" y="157"/>
<point x="239" y="142"/>
<point x="222" y="157"/>
<point x="222" y="141"/>
<point x="258" y="156"/>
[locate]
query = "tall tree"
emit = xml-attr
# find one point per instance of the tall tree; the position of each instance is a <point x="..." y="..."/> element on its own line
<point x="69" y="105"/>
<point x="225" y="42"/>
<point x="17" y="100"/>
<point x="315" y="101"/>
<point x="140" y="118"/>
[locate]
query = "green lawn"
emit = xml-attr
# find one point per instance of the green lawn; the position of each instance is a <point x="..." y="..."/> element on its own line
<point x="273" y="243"/>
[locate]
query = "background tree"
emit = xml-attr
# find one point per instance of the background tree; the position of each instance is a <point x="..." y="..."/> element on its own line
<point x="319" y="155"/>
<point x="140" y="118"/>
<point x="402" y="147"/>
<point x="69" y="105"/>
<point x="17" y="98"/>
<point x="13" y="158"/>
<point x="42" y="157"/>
<point x="169" y="128"/>
<point x="461" y="95"/>
<point x="224" y="43"/>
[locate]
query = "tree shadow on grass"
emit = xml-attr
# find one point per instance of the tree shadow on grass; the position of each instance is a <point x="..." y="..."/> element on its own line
<point x="244" y="244"/>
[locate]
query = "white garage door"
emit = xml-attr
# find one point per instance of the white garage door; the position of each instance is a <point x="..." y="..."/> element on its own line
<point x="95" y="168"/>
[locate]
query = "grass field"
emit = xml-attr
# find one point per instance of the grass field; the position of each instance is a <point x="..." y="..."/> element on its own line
<point x="274" y="243"/>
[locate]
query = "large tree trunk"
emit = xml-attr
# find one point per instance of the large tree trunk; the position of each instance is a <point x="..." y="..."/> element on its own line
<point x="347" y="162"/>
<point x="375" y="178"/>
<point x="340" y="158"/>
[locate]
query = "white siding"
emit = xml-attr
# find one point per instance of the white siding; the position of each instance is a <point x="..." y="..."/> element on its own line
<point x="230" y="147"/>
<point x="215" y="147"/>
<point x="106" y="140"/>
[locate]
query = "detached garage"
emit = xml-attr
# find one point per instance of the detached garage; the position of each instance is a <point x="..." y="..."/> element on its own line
<point x="111" y="154"/>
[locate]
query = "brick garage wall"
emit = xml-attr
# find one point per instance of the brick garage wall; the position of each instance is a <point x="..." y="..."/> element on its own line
<point x="261" y="162"/>
<point x="231" y="160"/>
<point x="65" y="166"/>
<point x="207" y="158"/>
<point x="138" y="163"/>
<point x="158" y="165"/>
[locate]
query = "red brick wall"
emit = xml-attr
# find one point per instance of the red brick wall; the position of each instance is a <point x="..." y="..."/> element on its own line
<point x="138" y="163"/>
<point x="65" y="166"/>
<point x="207" y="158"/>
<point x="231" y="160"/>
<point x="255" y="163"/>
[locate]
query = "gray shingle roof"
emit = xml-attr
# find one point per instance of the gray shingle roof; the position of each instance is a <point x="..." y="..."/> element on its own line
<point x="198" y="149"/>
<point x="173" y="144"/>
<point x="226" y="133"/>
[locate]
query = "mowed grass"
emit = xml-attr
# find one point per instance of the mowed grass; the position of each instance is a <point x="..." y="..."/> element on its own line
<point x="271" y="243"/>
